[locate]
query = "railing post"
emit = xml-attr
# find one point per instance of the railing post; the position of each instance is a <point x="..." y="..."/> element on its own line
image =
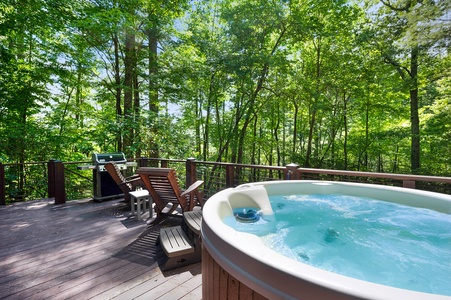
<point x="408" y="184"/>
<point x="163" y="163"/>
<point x="143" y="162"/>
<point x="230" y="176"/>
<point x="2" y="185"/>
<point x="56" y="181"/>
<point x="190" y="171"/>
<point x="292" y="172"/>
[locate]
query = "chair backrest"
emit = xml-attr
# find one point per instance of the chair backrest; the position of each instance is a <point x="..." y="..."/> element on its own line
<point x="116" y="174"/>
<point x="162" y="185"/>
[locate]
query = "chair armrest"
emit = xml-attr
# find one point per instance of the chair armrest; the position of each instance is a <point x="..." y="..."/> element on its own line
<point x="192" y="188"/>
<point x="133" y="182"/>
<point x="132" y="177"/>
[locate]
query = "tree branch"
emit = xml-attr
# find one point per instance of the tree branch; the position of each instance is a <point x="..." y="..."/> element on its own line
<point x="391" y="6"/>
<point x="399" y="67"/>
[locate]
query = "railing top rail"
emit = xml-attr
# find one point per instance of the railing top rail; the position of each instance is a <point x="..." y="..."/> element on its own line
<point x="45" y="162"/>
<point x="234" y="173"/>
<point x="280" y="168"/>
<point x="377" y="175"/>
<point x="25" y="163"/>
<point x="77" y="162"/>
<point x="240" y="165"/>
<point x="159" y="159"/>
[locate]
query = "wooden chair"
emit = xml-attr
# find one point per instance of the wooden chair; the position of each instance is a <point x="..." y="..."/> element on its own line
<point x="125" y="184"/>
<point x="164" y="189"/>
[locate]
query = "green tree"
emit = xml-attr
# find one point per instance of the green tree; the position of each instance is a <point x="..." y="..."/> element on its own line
<point x="407" y="32"/>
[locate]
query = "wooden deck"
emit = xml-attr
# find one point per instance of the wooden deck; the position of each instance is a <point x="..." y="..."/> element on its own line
<point x="86" y="250"/>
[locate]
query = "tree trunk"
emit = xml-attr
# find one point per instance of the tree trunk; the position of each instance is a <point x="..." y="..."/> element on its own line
<point x="317" y="45"/>
<point x="254" y="142"/>
<point x="253" y="97"/>
<point x="276" y="137"/>
<point x="295" y="127"/>
<point x="310" y="139"/>
<point x="78" y="94"/>
<point x="414" y="117"/>
<point x="367" y="135"/>
<point x="128" y="89"/>
<point x="219" y="127"/>
<point x="152" y="36"/>
<point x="395" y="160"/>
<point x="211" y="96"/>
<point x="410" y="75"/>
<point x="117" y="79"/>
<point x="136" y="108"/>
<point x="197" y="123"/>
<point x="345" y="124"/>
<point x="251" y="112"/>
<point x="206" y="129"/>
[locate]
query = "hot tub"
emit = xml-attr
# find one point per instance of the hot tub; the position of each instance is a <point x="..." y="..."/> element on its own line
<point x="238" y="265"/>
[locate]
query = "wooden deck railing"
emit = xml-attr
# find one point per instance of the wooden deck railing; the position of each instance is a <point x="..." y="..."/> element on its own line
<point x="60" y="179"/>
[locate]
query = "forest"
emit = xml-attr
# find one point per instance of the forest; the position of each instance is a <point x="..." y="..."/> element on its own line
<point x="334" y="84"/>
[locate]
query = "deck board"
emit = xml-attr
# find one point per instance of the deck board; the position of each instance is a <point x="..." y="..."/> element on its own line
<point x="86" y="250"/>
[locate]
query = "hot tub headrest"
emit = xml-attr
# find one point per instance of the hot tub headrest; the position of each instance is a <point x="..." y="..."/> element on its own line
<point x="251" y="196"/>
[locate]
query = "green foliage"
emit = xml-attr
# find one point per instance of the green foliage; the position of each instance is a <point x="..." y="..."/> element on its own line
<point x="267" y="82"/>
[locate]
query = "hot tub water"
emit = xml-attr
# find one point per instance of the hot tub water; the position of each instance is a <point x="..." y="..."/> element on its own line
<point x="359" y="237"/>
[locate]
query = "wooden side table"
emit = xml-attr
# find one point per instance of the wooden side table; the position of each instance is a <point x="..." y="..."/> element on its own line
<point x="140" y="198"/>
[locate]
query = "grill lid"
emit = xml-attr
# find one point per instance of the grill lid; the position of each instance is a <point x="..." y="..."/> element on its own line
<point x="103" y="158"/>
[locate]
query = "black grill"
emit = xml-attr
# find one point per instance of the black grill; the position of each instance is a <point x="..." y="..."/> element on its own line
<point x="104" y="185"/>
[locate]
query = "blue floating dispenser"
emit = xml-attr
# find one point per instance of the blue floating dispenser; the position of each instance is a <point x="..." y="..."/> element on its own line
<point x="247" y="216"/>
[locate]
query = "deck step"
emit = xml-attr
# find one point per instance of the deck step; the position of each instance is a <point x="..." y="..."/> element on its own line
<point x="175" y="242"/>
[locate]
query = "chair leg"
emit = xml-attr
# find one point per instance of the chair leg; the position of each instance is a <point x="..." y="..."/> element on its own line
<point x="172" y="209"/>
<point x="133" y="205"/>
<point x="138" y="206"/>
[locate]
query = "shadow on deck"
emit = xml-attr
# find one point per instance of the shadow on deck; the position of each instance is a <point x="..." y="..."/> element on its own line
<point x="86" y="250"/>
